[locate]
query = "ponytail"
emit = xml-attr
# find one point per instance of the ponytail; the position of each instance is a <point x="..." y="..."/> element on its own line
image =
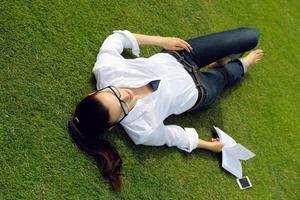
<point x="108" y="160"/>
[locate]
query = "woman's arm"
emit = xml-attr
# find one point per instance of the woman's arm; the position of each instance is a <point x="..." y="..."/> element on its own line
<point x="169" y="43"/>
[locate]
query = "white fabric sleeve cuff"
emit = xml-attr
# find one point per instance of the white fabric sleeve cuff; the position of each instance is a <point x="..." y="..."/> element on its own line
<point x="193" y="137"/>
<point x="131" y="41"/>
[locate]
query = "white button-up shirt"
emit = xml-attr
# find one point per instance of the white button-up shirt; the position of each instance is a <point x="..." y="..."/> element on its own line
<point x="176" y="92"/>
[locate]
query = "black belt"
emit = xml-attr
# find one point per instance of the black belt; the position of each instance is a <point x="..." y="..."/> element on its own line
<point x="191" y="69"/>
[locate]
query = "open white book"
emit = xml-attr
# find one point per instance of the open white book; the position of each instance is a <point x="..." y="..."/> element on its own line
<point x="232" y="153"/>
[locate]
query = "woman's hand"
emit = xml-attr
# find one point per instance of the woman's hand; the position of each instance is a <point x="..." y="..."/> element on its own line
<point x="216" y="145"/>
<point x="173" y="43"/>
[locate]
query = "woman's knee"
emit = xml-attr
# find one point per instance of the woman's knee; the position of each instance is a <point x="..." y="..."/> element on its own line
<point x="251" y="34"/>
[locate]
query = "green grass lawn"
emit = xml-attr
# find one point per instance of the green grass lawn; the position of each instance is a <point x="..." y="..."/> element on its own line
<point x="47" y="51"/>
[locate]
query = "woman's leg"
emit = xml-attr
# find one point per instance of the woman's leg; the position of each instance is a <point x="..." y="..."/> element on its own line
<point x="215" y="80"/>
<point x="209" y="48"/>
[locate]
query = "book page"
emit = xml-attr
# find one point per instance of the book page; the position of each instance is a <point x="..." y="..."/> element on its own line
<point x="224" y="138"/>
<point x="240" y="152"/>
<point x="231" y="164"/>
<point x="232" y="153"/>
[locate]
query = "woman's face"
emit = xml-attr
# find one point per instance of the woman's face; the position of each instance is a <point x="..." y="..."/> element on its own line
<point x="110" y="101"/>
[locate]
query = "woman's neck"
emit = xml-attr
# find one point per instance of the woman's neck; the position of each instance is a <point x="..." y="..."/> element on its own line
<point x="143" y="91"/>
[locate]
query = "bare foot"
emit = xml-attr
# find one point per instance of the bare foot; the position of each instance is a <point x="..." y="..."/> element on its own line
<point x="253" y="57"/>
<point x="219" y="62"/>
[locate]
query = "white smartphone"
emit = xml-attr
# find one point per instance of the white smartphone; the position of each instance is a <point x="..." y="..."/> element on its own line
<point x="244" y="182"/>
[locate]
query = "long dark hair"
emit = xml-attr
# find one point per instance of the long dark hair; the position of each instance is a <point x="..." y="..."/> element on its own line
<point x="90" y="122"/>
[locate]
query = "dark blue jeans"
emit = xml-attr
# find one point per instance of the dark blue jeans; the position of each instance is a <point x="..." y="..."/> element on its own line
<point x="209" y="48"/>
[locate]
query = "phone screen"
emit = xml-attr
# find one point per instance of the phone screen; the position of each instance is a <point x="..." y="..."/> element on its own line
<point x="244" y="182"/>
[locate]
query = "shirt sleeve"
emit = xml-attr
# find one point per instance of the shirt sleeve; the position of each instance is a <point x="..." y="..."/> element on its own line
<point x="113" y="46"/>
<point x="171" y="135"/>
<point x="119" y="40"/>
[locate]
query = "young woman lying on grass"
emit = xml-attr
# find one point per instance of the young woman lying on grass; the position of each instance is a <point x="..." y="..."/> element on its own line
<point x="141" y="93"/>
